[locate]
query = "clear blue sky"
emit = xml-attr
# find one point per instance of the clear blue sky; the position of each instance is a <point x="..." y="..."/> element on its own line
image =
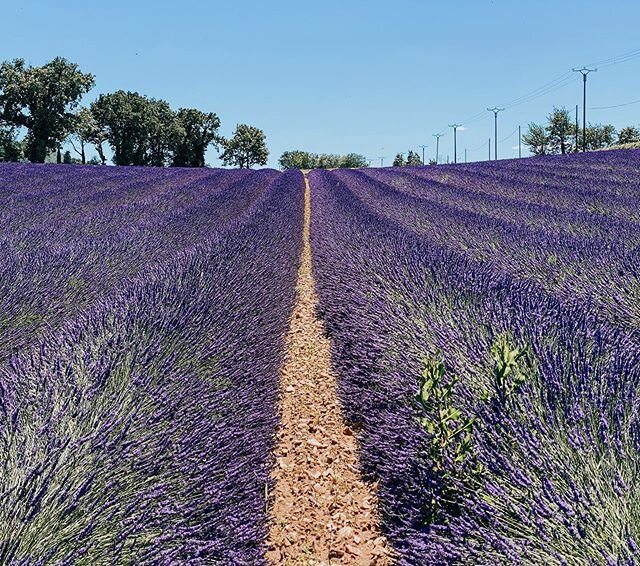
<point x="342" y="76"/>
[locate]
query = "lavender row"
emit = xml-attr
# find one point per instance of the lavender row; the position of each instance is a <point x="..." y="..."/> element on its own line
<point x="139" y="431"/>
<point x="67" y="263"/>
<point x="548" y="475"/>
<point x="587" y="270"/>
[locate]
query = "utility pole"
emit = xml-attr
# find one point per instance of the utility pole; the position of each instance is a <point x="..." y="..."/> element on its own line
<point x="437" y="136"/>
<point x="519" y="143"/>
<point x="584" y="72"/>
<point x="576" y="148"/>
<point x="423" y="147"/>
<point x="465" y="154"/>
<point x="455" y="147"/>
<point x="489" y="146"/>
<point x="495" y="111"/>
<point x="381" y="160"/>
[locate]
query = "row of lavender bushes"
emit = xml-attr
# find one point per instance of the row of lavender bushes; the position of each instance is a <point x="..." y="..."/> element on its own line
<point x="141" y="340"/>
<point x="485" y="333"/>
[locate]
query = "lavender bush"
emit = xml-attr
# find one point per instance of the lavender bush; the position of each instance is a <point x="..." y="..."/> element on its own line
<point x="522" y="279"/>
<point x="144" y="320"/>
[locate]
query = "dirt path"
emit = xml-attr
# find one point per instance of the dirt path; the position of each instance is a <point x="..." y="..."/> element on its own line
<point x="322" y="512"/>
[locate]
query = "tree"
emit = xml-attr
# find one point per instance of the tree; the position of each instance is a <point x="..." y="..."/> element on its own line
<point x="599" y="136"/>
<point x="195" y="131"/>
<point x="86" y="130"/>
<point x="245" y="148"/>
<point x="327" y="161"/>
<point x="630" y="134"/>
<point x="10" y="147"/>
<point x="413" y="159"/>
<point x="162" y="131"/>
<point x="121" y="116"/>
<point x="399" y="160"/>
<point x="42" y="99"/>
<point x="536" y="139"/>
<point x="353" y="160"/>
<point x="140" y="130"/>
<point x="298" y="160"/>
<point x="561" y="132"/>
<point x="305" y="160"/>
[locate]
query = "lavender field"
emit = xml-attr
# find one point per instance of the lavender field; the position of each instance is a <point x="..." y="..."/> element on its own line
<point x="486" y="321"/>
<point x="142" y="322"/>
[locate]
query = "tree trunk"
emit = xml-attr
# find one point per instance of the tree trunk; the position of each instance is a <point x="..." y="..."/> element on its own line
<point x="101" y="153"/>
<point x="36" y="150"/>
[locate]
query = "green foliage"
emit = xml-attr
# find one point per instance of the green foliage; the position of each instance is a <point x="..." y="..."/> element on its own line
<point x="87" y="130"/>
<point x="245" y="148"/>
<point x="450" y="430"/>
<point x="598" y="136"/>
<point x="561" y="132"/>
<point x="413" y="159"/>
<point x="353" y="160"/>
<point x="559" y="136"/>
<point x="297" y="159"/>
<point x="140" y="130"/>
<point x="536" y="139"/>
<point x="630" y="134"/>
<point x="42" y="100"/>
<point x="195" y="131"/>
<point x="10" y="147"/>
<point x="305" y="160"/>
<point x="512" y="366"/>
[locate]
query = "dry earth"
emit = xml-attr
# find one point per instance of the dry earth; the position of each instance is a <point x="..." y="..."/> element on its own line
<point x="321" y="511"/>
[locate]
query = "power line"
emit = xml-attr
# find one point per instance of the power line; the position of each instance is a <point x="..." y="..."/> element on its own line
<point x="510" y="135"/>
<point x="559" y="82"/>
<point x="614" y="106"/>
<point x="617" y="60"/>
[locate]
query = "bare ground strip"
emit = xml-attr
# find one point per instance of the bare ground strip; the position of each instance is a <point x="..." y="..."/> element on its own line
<point x="322" y="512"/>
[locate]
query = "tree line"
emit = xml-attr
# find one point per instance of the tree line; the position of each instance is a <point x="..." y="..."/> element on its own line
<point x="45" y="102"/>
<point x="561" y="135"/>
<point x="298" y="159"/>
<point x="412" y="159"/>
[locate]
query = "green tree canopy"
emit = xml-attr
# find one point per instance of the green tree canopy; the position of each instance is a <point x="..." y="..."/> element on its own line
<point x="353" y="161"/>
<point x="245" y="148"/>
<point x="630" y="134"/>
<point x="195" y="131"/>
<point x="413" y="159"/>
<point x="298" y="159"/>
<point x="561" y="132"/>
<point x="10" y="147"/>
<point x="536" y="139"/>
<point x="86" y="131"/>
<point x="599" y="136"/>
<point x="399" y="161"/>
<point x="42" y="100"/>
<point x="140" y="130"/>
<point x="305" y="160"/>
